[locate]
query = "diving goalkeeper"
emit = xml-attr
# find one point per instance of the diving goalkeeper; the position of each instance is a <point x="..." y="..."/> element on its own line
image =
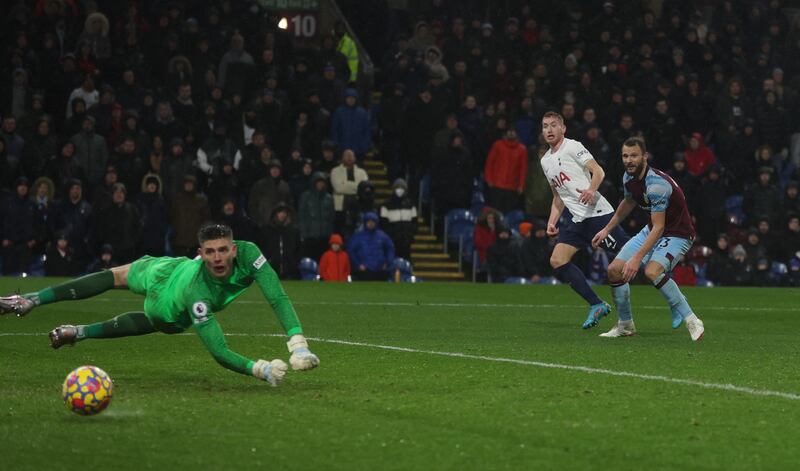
<point x="180" y="293"/>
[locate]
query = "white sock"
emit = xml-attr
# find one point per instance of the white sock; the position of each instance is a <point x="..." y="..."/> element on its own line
<point x="690" y="318"/>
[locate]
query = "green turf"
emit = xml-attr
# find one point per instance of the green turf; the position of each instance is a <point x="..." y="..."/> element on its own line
<point x="374" y="408"/>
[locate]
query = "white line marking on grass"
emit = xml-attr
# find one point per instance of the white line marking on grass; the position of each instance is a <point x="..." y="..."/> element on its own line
<point x="489" y="305"/>
<point x="540" y="364"/>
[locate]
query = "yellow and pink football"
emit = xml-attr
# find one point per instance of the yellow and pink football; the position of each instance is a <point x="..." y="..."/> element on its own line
<point x="87" y="390"/>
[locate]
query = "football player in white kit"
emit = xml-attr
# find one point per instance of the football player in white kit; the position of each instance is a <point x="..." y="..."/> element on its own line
<point x="574" y="178"/>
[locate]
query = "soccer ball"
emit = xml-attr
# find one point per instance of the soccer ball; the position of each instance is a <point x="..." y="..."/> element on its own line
<point x="87" y="390"/>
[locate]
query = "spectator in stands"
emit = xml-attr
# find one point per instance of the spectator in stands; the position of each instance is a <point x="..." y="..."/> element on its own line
<point x="451" y="177"/>
<point x="176" y="164"/>
<point x="280" y="242"/>
<point x="663" y="135"/>
<point x="47" y="217"/>
<point x="299" y="182"/>
<point x="791" y="199"/>
<point x="684" y="273"/>
<point x="106" y="261"/>
<point x="506" y="168"/>
<point x="699" y="158"/>
<point x="537" y="194"/>
<point x="236" y="55"/>
<point x="399" y="219"/>
<point x="85" y="92"/>
<point x="60" y="258"/>
<point x="316" y="216"/>
<point x="790" y="240"/>
<point x="328" y="161"/>
<point x="267" y="193"/>
<point x="240" y="223"/>
<point x="365" y="196"/>
<point x="345" y="179"/>
<point x="501" y="256"/>
<point x="770" y="239"/>
<point x="77" y="217"/>
<point x="755" y="248"/>
<point x="371" y="251"/>
<point x="91" y="153"/>
<point x="711" y="213"/>
<point x="335" y="263"/>
<point x="720" y="265"/>
<point x="40" y="148"/>
<point x="119" y="225"/>
<point x="762" y="198"/>
<point x="350" y="126"/>
<point x="485" y="231"/>
<point x="422" y="119"/>
<point x="155" y="216"/>
<point x="534" y="251"/>
<point x="19" y="236"/>
<point x="10" y="168"/>
<point x="189" y="211"/>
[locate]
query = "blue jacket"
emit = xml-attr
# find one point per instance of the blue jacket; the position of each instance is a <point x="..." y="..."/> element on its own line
<point x="350" y="128"/>
<point x="372" y="248"/>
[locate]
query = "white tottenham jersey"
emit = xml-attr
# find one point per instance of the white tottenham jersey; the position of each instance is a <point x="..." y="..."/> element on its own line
<point x="567" y="173"/>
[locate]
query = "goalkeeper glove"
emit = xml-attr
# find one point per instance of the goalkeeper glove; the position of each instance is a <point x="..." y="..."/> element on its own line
<point x="270" y="371"/>
<point x="302" y="358"/>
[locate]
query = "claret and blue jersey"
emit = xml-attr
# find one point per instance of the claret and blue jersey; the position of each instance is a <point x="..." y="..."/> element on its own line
<point x="658" y="192"/>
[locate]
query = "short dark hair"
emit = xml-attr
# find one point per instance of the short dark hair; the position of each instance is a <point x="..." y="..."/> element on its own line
<point x="213" y="231"/>
<point x="635" y="142"/>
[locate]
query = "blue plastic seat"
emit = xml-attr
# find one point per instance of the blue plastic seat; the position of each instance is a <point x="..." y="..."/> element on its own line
<point x="513" y="218"/>
<point x="309" y="269"/>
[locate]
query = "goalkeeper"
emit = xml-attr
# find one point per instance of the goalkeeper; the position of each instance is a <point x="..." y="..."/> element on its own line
<point x="180" y="293"/>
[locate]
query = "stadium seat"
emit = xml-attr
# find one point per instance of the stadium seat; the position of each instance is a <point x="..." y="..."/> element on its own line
<point x="309" y="269"/>
<point x="517" y="280"/>
<point x="458" y="226"/>
<point x="401" y="270"/>
<point x="733" y="207"/>
<point x="514" y="218"/>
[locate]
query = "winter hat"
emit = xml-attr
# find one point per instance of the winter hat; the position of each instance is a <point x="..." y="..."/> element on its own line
<point x="350" y="92"/>
<point x="400" y="183"/>
<point x="739" y="251"/>
<point x="275" y="163"/>
<point x="525" y="228"/>
<point x="335" y="239"/>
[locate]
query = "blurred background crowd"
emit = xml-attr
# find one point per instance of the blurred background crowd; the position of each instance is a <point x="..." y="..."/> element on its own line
<point x="126" y="125"/>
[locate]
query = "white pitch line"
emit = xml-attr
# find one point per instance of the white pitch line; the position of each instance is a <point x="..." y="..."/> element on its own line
<point x="490" y="305"/>
<point x="585" y="369"/>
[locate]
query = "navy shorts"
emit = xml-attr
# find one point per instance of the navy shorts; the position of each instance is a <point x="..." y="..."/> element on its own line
<point x="580" y="234"/>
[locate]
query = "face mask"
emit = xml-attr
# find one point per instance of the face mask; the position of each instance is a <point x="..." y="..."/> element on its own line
<point x="399" y="192"/>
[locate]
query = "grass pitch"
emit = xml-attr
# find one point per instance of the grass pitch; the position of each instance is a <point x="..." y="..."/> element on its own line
<point x="428" y="376"/>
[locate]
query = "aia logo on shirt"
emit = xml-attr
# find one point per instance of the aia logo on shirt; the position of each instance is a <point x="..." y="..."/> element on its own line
<point x="560" y="179"/>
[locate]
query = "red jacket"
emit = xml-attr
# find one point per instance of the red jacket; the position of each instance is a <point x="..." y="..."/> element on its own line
<point x="684" y="275"/>
<point x="334" y="266"/>
<point x="698" y="161"/>
<point x="506" y="165"/>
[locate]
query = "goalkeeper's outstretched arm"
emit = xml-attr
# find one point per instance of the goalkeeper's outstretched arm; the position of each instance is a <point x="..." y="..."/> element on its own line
<point x="210" y="332"/>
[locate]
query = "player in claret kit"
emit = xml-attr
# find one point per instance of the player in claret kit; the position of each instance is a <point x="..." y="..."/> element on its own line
<point x="657" y="247"/>
<point x="180" y="293"/>
<point x="574" y="178"/>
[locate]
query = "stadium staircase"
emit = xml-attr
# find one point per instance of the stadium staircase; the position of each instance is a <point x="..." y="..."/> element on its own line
<point x="429" y="259"/>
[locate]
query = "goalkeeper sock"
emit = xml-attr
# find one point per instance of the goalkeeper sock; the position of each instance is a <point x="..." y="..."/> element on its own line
<point x="622" y="299"/>
<point x="78" y="288"/>
<point x="573" y="275"/>
<point x="669" y="289"/>
<point x="124" y="325"/>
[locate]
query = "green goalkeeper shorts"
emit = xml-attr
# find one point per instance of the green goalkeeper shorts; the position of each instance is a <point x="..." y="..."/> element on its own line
<point x="149" y="277"/>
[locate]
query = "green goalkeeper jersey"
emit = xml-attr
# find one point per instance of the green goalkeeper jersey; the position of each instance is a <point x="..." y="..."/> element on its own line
<point x="180" y="292"/>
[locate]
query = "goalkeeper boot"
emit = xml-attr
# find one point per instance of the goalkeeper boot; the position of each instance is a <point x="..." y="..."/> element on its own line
<point x="63" y="335"/>
<point x="596" y="312"/>
<point x="622" y="329"/>
<point x="677" y="319"/>
<point x="696" y="328"/>
<point x="17" y="304"/>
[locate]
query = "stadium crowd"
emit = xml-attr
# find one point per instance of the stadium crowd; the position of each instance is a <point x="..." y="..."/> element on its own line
<point x="126" y="125"/>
